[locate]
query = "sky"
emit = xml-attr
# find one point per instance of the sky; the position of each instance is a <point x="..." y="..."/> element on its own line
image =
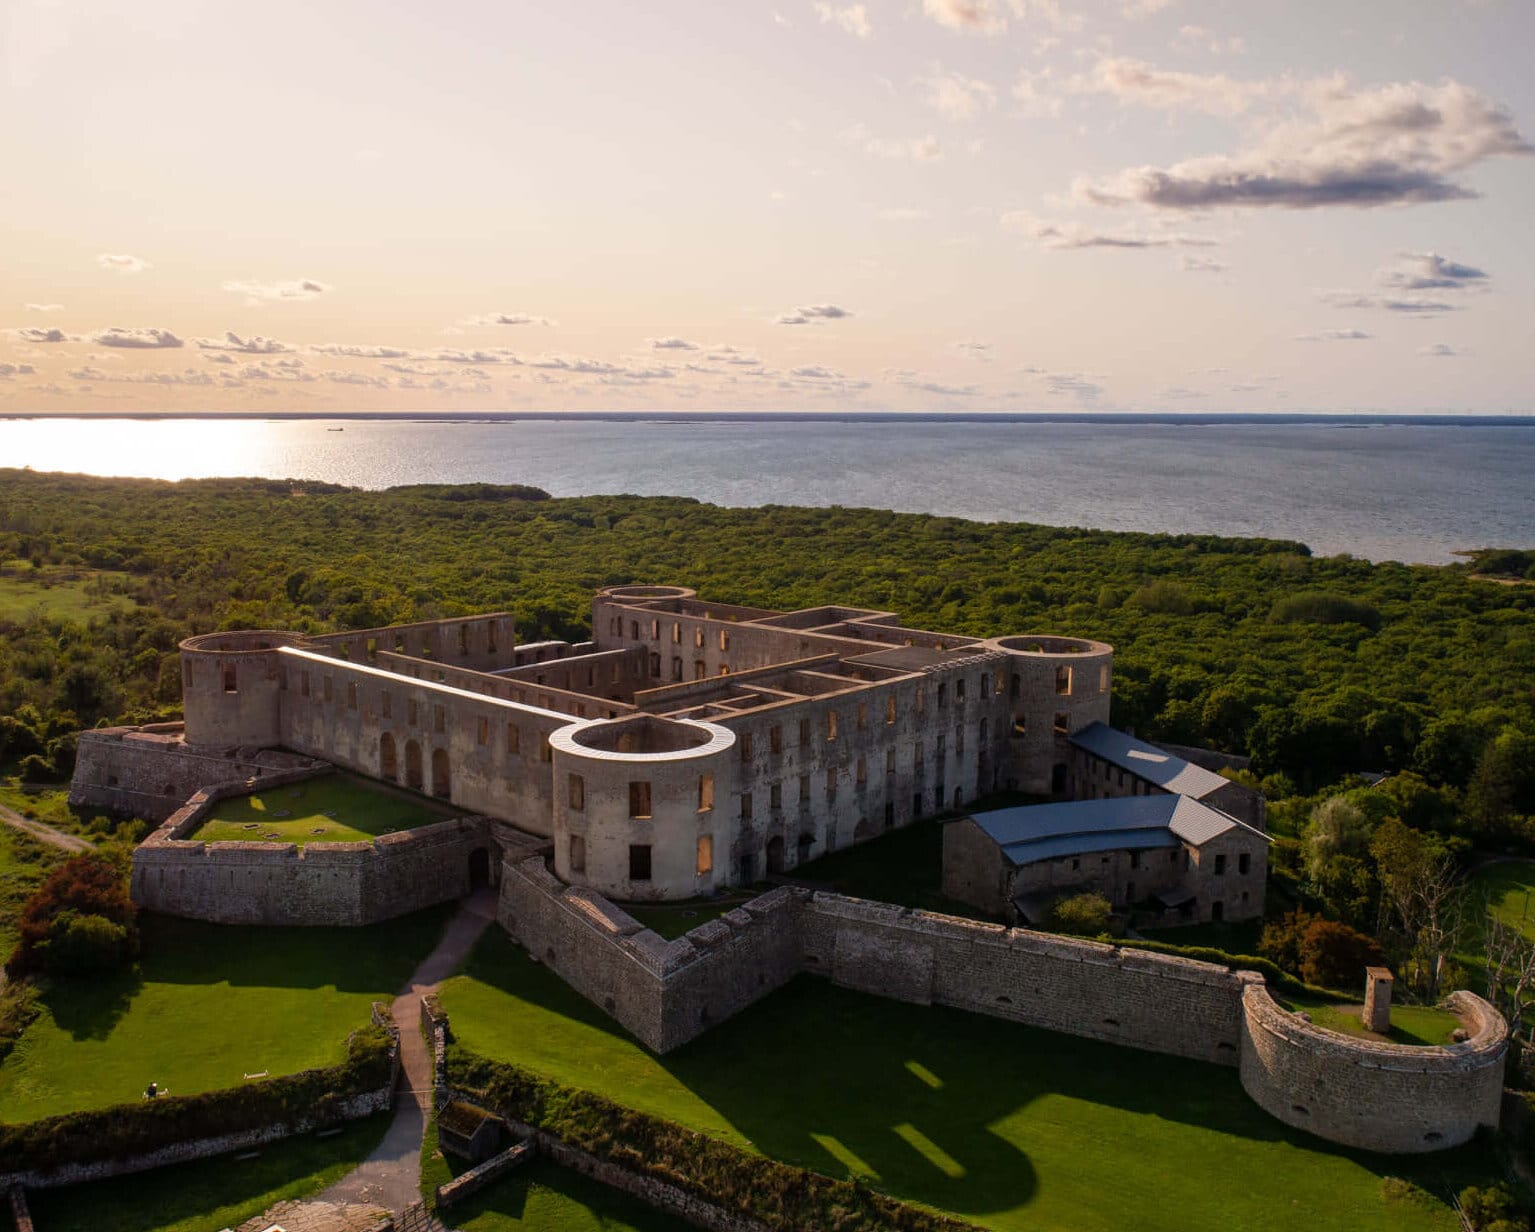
<point x="894" y="205"/>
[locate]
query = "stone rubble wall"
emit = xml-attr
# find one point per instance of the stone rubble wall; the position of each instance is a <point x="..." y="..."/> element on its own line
<point x="150" y="772"/>
<point x="319" y="884"/>
<point x="481" y="1175"/>
<point x="1395" y="1098"/>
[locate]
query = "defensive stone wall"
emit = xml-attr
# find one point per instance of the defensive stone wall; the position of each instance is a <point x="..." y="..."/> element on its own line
<point x="150" y="772"/>
<point x="1379" y="1097"/>
<point x="319" y="884"/>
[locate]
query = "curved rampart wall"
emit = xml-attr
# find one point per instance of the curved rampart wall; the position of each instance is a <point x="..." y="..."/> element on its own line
<point x="1050" y="679"/>
<point x="320" y="884"/>
<point x="1393" y="1098"/>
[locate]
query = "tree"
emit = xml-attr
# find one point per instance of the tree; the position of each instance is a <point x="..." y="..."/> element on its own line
<point x="1421" y="905"/>
<point x="84" y="910"/>
<point x="1086" y="915"/>
<point x="1503" y="786"/>
<point x="1335" y="955"/>
<point x="1335" y="847"/>
<point x="1510" y="959"/>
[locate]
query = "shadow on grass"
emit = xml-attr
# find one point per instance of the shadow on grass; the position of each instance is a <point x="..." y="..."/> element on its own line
<point x="90" y="1009"/>
<point x="955" y="1110"/>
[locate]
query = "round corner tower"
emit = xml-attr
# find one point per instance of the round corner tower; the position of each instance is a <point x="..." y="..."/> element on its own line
<point x="1056" y="686"/>
<point x="231" y="687"/>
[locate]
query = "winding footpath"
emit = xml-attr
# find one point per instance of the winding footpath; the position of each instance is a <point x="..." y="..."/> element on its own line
<point x="44" y="833"/>
<point x="391" y="1176"/>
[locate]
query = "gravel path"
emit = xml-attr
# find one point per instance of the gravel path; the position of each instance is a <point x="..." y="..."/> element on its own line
<point x="44" y="833"/>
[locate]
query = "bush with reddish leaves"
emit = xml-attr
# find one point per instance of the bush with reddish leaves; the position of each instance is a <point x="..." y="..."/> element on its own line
<point x="80" y="920"/>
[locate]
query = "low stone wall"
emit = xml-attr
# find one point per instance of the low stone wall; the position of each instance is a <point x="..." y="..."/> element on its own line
<point x="319" y="884"/>
<point x="1394" y="1098"/>
<point x="21" y="1216"/>
<point x="150" y="772"/>
<point x="1124" y="996"/>
<point x="481" y="1175"/>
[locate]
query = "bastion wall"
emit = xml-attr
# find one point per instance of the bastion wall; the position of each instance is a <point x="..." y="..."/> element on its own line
<point x="319" y="884"/>
<point x="1379" y="1097"/>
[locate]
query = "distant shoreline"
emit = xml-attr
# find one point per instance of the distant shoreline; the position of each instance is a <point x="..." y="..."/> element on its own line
<point x="1341" y="419"/>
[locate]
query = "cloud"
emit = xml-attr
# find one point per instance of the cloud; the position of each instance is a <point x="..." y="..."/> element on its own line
<point x="122" y="263"/>
<point x="854" y="19"/>
<point x="359" y="351"/>
<point x="956" y="97"/>
<point x="973" y="16"/>
<point x="7" y="371"/>
<point x="1072" y="384"/>
<point x="812" y="314"/>
<point x="1336" y="335"/>
<point x="673" y="344"/>
<point x="1202" y="265"/>
<point x="902" y="215"/>
<point x="1440" y="350"/>
<point x="815" y="372"/>
<point x="1397" y="145"/>
<point x="917" y="149"/>
<point x="136" y="339"/>
<point x="1035" y="94"/>
<point x="33" y="333"/>
<point x="1071" y="235"/>
<point x="1134" y="10"/>
<point x="1428" y="271"/>
<point x="974" y="350"/>
<point x="253" y="345"/>
<point x="507" y="318"/>
<point x="585" y="366"/>
<point x="934" y="387"/>
<point x="453" y="355"/>
<point x="356" y="378"/>
<point x="1191" y="38"/>
<point x="1135" y="82"/>
<point x="277" y="292"/>
<point x="1407" y="307"/>
<point x="43" y="307"/>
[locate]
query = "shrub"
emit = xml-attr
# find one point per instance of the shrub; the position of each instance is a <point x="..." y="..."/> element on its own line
<point x="1492" y="1209"/>
<point x="1086" y="915"/>
<point x="84" y="886"/>
<point x="1320" y="607"/>
<point x="18" y="1007"/>
<point x="1335" y="955"/>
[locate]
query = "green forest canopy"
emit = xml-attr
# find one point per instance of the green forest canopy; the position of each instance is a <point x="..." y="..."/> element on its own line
<point x="1317" y="667"/>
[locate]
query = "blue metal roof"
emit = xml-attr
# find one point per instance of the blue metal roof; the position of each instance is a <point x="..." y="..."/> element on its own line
<point x="1147" y="761"/>
<point x="1078" y="827"/>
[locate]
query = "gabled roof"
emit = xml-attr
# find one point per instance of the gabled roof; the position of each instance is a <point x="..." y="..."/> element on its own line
<point x="1037" y="832"/>
<point x="1147" y="761"/>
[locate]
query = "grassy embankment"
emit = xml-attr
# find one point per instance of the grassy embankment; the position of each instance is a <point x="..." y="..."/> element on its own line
<point x="1007" y="1126"/>
<point x="208" y="1005"/>
<point x="336" y="809"/>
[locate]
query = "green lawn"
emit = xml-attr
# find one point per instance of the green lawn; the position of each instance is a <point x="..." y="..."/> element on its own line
<point x="1410" y="1024"/>
<point x="210" y="1193"/>
<point x="209" y="1004"/>
<point x="672" y="920"/>
<point x="73" y="594"/>
<point x="23" y="864"/>
<point x="1509" y="889"/>
<point x="1240" y="937"/>
<point x="335" y="809"/>
<point x="537" y="1197"/>
<point x="1010" y="1127"/>
<point x="904" y="866"/>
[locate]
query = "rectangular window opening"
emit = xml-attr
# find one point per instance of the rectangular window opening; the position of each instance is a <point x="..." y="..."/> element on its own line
<point x="639" y="799"/>
<point x="639" y="861"/>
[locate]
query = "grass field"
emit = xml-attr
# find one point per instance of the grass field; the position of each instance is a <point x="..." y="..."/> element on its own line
<point x="335" y="809"/>
<point x="58" y="594"/>
<point x="904" y="866"/>
<point x="537" y="1197"/>
<point x="23" y="864"/>
<point x="1410" y="1024"/>
<point x="209" y="1004"/>
<point x="1007" y="1126"/>
<point x="211" y="1193"/>
<point x="51" y="806"/>
<point x="674" y="919"/>
<point x="1509" y="889"/>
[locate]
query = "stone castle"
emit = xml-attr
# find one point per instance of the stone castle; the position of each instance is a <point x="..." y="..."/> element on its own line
<point x="693" y="746"/>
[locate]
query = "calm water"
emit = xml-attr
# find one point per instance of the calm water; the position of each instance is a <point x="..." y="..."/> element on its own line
<point x="1412" y="492"/>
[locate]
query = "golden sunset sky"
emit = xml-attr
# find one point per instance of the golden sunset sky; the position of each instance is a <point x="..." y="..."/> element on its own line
<point x="911" y="205"/>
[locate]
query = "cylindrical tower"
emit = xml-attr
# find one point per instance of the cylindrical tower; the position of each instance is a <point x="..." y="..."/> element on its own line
<point x="640" y="806"/>
<point x="1055" y="686"/>
<point x="231" y="685"/>
<point x="607" y="628"/>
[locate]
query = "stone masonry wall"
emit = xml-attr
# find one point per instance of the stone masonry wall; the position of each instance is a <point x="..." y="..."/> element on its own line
<point x="1379" y="1097"/>
<point x="320" y="884"/>
<point x="150" y="772"/>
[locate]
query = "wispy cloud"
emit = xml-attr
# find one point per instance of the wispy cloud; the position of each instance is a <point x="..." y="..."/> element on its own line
<point x="9" y="371"/>
<point x="289" y="291"/>
<point x="1137" y="83"/>
<point x="1428" y="271"/>
<point x="1397" y="145"/>
<point x="122" y="263"/>
<point x="852" y="19"/>
<point x="1336" y="335"/>
<point x="43" y="307"/>
<point x="1406" y="307"/>
<point x="1440" y="350"/>
<point x="902" y="214"/>
<point x="507" y="318"/>
<point x="1070" y="235"/>
<point x="955" y="96"/>
<point x="247" y="346"/>
<point x="359" y="351"/>
<point x="916" y="149"/>
<point x="136" y="339"/>
<point x="35" y="333"/>
<point x="673" y="344"/>
<point x="812" y="314"/>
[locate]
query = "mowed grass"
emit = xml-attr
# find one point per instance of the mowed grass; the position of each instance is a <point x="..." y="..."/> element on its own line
<point x="211" y="1193"/>
<point x="672" y="920"/>
<point x="335" y="809"/>
<point x="58" y="595"/>
<point x="23" y="865"/>
<point x="904" y="866"/>
<point x="537" y="1197"/>
<point x="208" y="1005"/>
<point x="1410" y="1024"/>
<point x="1508" y="888"/>
<point x="1007" y="1126"/>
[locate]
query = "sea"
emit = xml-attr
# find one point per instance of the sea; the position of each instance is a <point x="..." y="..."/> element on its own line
<point x="1411" y="489"/>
